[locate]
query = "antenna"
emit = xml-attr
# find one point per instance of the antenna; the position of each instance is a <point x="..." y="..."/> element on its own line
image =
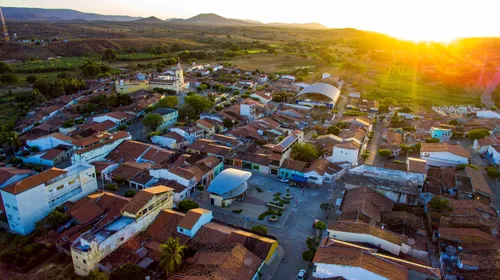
<point x="5" y="33"/>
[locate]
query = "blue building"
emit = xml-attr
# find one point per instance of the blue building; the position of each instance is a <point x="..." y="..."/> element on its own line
<point x="443" y="134"/>
<point x="169" y="116"/>
<point x="293" y="170"/>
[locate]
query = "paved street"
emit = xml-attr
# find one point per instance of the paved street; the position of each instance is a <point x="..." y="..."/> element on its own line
<point x="296" y="227"/>
<point x="374" y="145"/>
<point x="136" y="130"/>
<point x="490" y="87"/>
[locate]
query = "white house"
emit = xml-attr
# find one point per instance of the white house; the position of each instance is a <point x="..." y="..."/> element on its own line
<point x="322" y="171"/>
<point x="488" y="114"/>
<point x="289" y="77"/>
<point x="262" y="96"/>
<point x="193" y="221"/>
<point x="494" y="154"/>
<point x="171" y="140"/>
<point x="346" y="152"/>
<point x="99" y="151"/>
<point x="11" y="174"/>
<point x="31" y="199"/>
<point x="444" y="154"/>
<point x="191" y="134"/>
<point x="482" y="145"/>
<point x="119" y="118"/>
<point x="50" y="141"/>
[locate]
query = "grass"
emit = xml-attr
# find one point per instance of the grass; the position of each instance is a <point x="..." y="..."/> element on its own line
<point x="414" y="92"/>
<point x="54" y="65"/>
<point x="9" y="113"/>
<point x="272" y="63"/>
<point x="256" y="51"/>
<point x="141" y="56"/>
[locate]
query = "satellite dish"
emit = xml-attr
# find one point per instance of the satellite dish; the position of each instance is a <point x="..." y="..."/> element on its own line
<point x="411" y="241"/>
<point x="450" y="250"/>
<point x="494" y="231"/>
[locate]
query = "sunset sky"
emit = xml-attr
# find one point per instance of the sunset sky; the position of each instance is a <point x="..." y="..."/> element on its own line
<point x="441" y="20"/>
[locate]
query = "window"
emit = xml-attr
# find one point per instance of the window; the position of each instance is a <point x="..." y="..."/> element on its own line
<point x="10" y="217"/>
<point x="84" y="261"/>
<point x="121" y="239"/>
<point x="15" y="208"/>
<point x="7" y="205"/>
<point x="71" y="182"/>
<point x="60" y="187"/>
<point x="181" y="229"/>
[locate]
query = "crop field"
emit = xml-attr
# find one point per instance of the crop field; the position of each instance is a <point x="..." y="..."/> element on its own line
<point x="141" y="56"/>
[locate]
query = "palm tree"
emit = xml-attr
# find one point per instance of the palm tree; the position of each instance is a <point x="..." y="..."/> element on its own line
<point x="171" y="255"/>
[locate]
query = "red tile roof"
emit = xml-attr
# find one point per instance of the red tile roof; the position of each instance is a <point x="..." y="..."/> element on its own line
<point x="33" y="181"/>
<point x="142" y="198"/>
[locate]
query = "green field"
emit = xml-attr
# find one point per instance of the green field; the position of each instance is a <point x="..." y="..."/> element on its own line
<point x="256" y="51"/>
<point x="272" y="63"/>
<point x="414" y="92"/>
<point x="8" y="109"/>
<point x="141" y="56"/>
<point x="54" y="65"/>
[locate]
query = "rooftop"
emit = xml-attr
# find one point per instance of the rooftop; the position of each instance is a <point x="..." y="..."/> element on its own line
<point x="228" y="180"/>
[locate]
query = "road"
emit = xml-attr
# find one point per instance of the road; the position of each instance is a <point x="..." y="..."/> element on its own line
<point x="492" y="84"/>
<point x="374" y="145"/>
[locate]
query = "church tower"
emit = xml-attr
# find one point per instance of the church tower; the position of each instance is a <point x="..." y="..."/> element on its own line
<point x="179" y="78"/>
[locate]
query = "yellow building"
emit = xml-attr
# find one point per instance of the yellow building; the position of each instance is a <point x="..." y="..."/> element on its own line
<point x="128" y="86"/>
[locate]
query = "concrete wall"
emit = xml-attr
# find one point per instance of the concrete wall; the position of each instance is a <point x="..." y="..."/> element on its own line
<point x="164" y="142"/>
<point x="443" y="158"/>
<point x="388" y="174"/>
<point x="342" y="155"/>
<point x="46" y="143"/>
<point x="97" y="154"/>
<point x="365" y="238"/>
<point x="203" y="220"/>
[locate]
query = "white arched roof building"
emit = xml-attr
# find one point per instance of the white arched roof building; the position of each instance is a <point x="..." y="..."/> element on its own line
<point x="317" y="95"/>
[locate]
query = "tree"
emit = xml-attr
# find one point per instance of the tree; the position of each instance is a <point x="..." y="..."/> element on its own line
<point x="405" y="148"/>
<point x="333" y="130"/>
<point x="128" y="271"/>
<point x="478" y="133"/>
<point x="227" y="123"/>
<point x="31" y="79"/>
<point x="168" y="102"/>
<point x="262" y="230"/>
<point x="432" y="140"/>
<point x="56" y="219"/>
<point x="171" y="255"/>
<point x="109" y="54"/>
<point x="304" y="152"/>
<point x="198" y="103"/>
<point x="320" y="226"/>
<point x="152" y="121"/>
<point x="440" y="203"/>
<point x="9" y="79"/>
<point x="493" y="172"/>
<point x="97" y="275"/>
<point x="312" y="243"/>
<point x="384" y="153"/>
<point x="4" y="68"/>
<point x="187" y="205"/>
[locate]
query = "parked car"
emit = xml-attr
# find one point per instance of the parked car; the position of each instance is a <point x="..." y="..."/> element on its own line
<point x="283" y="180"/>
<point x="302" y="274"/>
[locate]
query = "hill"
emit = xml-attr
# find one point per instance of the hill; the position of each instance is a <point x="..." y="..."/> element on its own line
<point x="38" y="14"/>
<point x="149" y="20"/>
<point x="312" y="25"/>
<point x="211" y="19"/>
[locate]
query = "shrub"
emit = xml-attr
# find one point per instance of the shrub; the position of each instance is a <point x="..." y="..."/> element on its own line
<point x="308" y="256"/>
<point x="432" y="140"/>
<point x="120" y="180"/>
<point x="130" y="193"/>
<point x="478" y="133"/>
<point x="200" y="188"/>
<point x="463" y="165"/>
<point x="111" y="187"/>
<point x="493" y="172"/>
<point x="9" y="79"/>
<point x="237" y="211"/>
<point x="440" y="203"/>
<point x="384" y="153"/>
<point x="31" y="79"/>
<point x="187" y="205"/>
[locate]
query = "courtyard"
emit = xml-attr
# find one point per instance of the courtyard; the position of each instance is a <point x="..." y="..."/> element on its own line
<point x="291" y="229"/>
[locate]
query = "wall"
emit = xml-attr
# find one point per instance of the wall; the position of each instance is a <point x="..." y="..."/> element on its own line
<point x="104" y="118"/>
<point x="443" y="158"/>
<point x="341" y="155"/>
<point x="324" y="270"/>
<point x="488" y="114"/>
<point x="97" y="154"/>
<point x="203" y="220"/>
<point x="217" y="200"/>
<point x="366" y="238"/>
<point x="388" y="174"/>
<point x="165" y="174"/>
<point x="128" y="87"/>
<point x="46" y="143"/>
<point x="493" y="154"/>
<point x="288" y="173"/>
<point x="15" y="178"/>
<point x="164" y="142"/>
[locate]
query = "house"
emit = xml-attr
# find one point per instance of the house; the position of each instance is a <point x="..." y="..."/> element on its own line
<point x="322" y="171"/>
<point x="31" y="199"/>
<point x="339" y="259"/>
<point x="50" y="157"/>
<point x="482" y="145"/>
<point x="262" y="96"/>
<point x="50" y="141"/>
<point x="136" y="215"/>
<point x="377" y="236"/>
<point x="480" y="188"/>
<point x="99" y="150"/>
<point x="191" y="134"/>
<point x="193" y="221"/>
<point x="293" y="169"/>
<point x="171" y="140"/>
<point x="132" y="174"/>
<point x="346" y="152"/>
<point x="119" y="118"/>
<point x="284" y="148"/>
<point x="207" y="127"/>
<point x="443" y="134"/>
<point x="11" y="174"/>
<point x="229" y="186"/>
<point x="493" y="153"/>
<point x="444" y="154"/>
<point x="169" y="116"/>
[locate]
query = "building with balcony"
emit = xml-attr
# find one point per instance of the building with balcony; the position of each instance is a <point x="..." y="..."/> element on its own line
<point x="135" y="217"/>
<point x="31" y="199"/>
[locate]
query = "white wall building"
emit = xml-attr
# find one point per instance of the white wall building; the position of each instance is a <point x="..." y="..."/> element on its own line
<point x="191" y="134"/>
<point x="28" y="201"/>
<point x="488" y="114"/>
<point x="444" y="154"/>
<point x="99" y="151"/>
<point x="346" y="152"/>
<point x="50" y="141"/>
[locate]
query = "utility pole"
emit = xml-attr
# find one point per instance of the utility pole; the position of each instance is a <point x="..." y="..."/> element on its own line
<point x="4" y="25"/>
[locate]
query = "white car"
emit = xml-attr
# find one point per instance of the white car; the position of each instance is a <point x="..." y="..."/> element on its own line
<point x="302" y="274"/>
<point x="283" y="180"/>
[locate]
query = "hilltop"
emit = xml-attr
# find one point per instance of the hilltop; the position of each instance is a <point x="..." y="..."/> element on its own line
<point x="149" y="20"/>
<point x="39" y="14"/>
